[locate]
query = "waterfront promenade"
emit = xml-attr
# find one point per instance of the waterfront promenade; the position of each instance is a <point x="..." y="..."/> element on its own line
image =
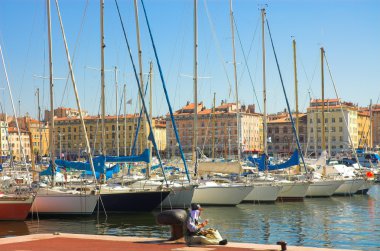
<point x="64" y="242"/>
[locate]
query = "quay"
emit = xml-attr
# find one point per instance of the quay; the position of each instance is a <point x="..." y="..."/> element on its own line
<point x="72" y="242"/>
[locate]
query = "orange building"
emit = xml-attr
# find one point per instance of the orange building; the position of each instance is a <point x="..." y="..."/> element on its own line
<point x="221" y="129"/>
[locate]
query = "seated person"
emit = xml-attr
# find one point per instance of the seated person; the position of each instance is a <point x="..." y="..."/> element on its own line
<point x="194" y="232"/>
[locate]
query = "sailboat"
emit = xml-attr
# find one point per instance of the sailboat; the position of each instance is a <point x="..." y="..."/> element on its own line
<point x="210" y="192"/>
<point x="117" y="197"/>
<point x="52" y="199"/>
<point x="16" y="195"/>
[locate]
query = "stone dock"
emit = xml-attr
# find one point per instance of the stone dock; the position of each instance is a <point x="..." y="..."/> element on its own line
<point x="71" y="242"/>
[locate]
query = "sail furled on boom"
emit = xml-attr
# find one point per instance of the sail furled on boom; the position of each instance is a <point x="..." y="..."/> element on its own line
<point x="260" y="162"/>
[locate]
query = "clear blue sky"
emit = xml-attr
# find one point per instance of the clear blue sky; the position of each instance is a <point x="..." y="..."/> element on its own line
<point x="347" y="29"/>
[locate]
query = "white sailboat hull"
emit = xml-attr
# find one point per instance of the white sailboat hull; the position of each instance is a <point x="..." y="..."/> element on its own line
<point x="220" y="195"/>
<point x="263" y="192"/>
<point x="64" y="203"/>
<point x="349" y="187"/>
<point x="323" y="188"/>
<point x="293" y="190"/>
<point x="179" y="197"/>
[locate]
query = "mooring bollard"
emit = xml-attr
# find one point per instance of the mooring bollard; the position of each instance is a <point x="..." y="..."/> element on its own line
<point x="175" y="219"/>
<point x="283" y="245"/>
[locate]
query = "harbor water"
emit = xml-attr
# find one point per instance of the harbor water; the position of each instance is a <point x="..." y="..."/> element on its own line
<point x="351" y="222"/>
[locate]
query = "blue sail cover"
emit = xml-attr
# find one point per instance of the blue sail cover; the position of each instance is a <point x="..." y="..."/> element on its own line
<point x="109" y="172"/>
<point x="99" y="162"/>
<point x="166" y="168"/>
<point x="49" y="171"/>
<point x="260" y="162"/>
<point x="144" y="157"/>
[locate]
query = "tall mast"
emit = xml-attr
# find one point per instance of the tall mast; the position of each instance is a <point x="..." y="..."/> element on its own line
<point x="103" y="86"/>
<point x="323" y="101"/>
<point x="213" y="129"/>
<point x="150" y="112"/>
<point x="295" y="83"/>
<point x="51" y="127"/>
<point x="236" y="84"/>
<point x="264" y="84"/>
<point x="117" y="117"/>
<point x="125" y="119"/>
<point x="88" y="148"/>
<point x="370" y="125"/>
<point x="195" y="124"/>
<point x="296" y="91"/>
<point x="39" y="123"/>
<point x="145" y="127"/>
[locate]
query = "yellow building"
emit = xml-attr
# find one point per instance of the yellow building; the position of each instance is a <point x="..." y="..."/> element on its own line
<point x="364" y="123"/>
<point x="19" y="148"/>
<point x="4" y="150"/>
<point x="69" y="140"/>
<point x="223" y="131"/>
<point x="337" y="134"/>
<point x="376" y="126"/>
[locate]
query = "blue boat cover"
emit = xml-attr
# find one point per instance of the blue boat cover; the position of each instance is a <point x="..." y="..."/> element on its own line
<point x="49" y="171"/>
<point x="260" y="162"/>
<point x="109" y="172"/>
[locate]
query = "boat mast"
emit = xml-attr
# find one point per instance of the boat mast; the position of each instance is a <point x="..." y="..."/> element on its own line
<point x="295" y="83"/>
<point x="125" y="119"/>
<point x="77" y="96"/>
<point x="264" y="83"/>
<point x="213" y="129"/>
<point x="145" y="127"/>
<point x="296" y="92"/>
<point x="103" y="86"/>
<point x="150" y="110"/>
<point x="195" y="79"/>
<point x="236" y="84"/>
<point x="117" y="116"/>
<point x="51" y="127"/>
<point x="39" y="123"/>
<point x="323" y="109"/>
<point x="370" y="125"/>
<point x="323" y="102"/>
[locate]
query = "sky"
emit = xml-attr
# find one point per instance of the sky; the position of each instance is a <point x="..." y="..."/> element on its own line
<point x="348" y="30"/>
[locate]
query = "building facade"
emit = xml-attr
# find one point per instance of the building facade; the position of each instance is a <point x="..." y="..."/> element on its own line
<point x="17" y="148"/>
<point x="70" y="142"/>
<point x="364" y="125"/>
<point x="4" y="148"/>
<point x="337" y="133"/>
<point x="376" y="125"/>
<point x="280" y="132"/>
<point x="217" y="131"/>
<point x="64" y="112"/>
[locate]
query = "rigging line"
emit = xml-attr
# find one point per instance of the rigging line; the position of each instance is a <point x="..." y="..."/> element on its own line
<point x="218" y="47"/>
<point x="286" y="99"/>
<point x="140" y="91"/>
<point x="246" y="62"/>
<point x="341" y="109"/>
<point x="28" y="52"/>
<point x="166" y="93"/>
<point x="14" y="112"/>
<point x="75" y="48"/>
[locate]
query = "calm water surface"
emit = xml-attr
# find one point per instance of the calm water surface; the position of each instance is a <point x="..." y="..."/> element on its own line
<point x="337" y="222"/>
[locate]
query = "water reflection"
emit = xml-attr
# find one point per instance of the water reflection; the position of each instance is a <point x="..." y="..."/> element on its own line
<point x="351" y="222"/>
<point x="13" y="228"/>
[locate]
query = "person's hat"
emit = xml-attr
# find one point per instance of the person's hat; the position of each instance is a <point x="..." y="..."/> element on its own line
<point x="195" y="206"/>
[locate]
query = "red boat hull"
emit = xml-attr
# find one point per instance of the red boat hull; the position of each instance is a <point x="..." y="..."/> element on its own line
<point x="15" y="210"/>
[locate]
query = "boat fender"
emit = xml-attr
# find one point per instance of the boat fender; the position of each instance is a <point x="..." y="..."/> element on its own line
<point x="172" y="217"/>
<point x="176" y="218"/>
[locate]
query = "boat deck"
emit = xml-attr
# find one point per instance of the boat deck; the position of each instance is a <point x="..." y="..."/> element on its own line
<point x="64" y="242"/>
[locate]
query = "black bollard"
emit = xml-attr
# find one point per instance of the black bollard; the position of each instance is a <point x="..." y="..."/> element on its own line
<point x="283" y="245"/>
<point x="175" y="219"/>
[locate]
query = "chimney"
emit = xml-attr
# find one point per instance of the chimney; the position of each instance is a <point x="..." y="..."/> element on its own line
<point x="188" y="103"/>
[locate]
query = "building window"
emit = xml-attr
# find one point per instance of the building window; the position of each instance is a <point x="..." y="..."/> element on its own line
<point x="333" y="120"/>
<point x="340" y="120"/>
